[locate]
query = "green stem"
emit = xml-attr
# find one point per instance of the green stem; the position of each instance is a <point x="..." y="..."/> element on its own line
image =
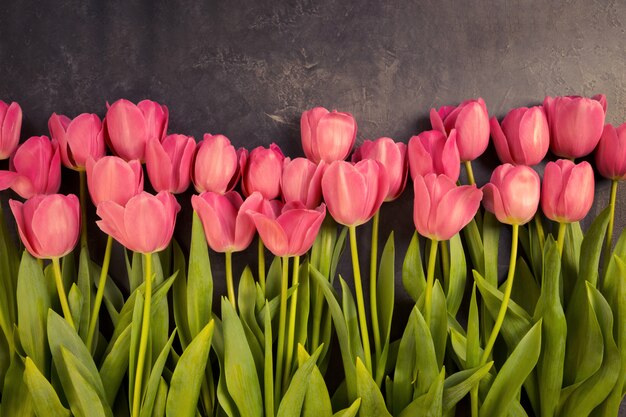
<point x="358" y="287"/>
<point x="505" y="299"/>
<point x="317" y="319"/>
<point x="230" y="287"/>
<point x="560" y="240"/>
<point x="83" y="208"/>
<point x="292" y="320"/>
<point x="470" y="172"/>
<point x="56" y="266"/>
<point x="282" y="318"/>
<point x="145" y="330"/>
<point x="609" y="233"/>
<point x="474" y="400"/>
<point x="261" y="255"/>
<point x="430" y="278"/>
<point x="100" y="292"/>
<point x="445" y="259"/>
<point x="540" y="233"/>
<point x="374" y="286"/>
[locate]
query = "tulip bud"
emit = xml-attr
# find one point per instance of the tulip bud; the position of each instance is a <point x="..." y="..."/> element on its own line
<point x="78" y="139"/>
<point x="524" y="136"/>
<point x="576" y="124"/>
<point x="35" y="168"/>
<point x="611" y="153"/>
<point x="10" y="126"/>
<point x="441" y="208"/>
<point x="48" y="225"/>
<point x="129" y="127"/>
<point x="263" y="171"/>
<point x="431" y="152"/>
<point x="169" y="163"/>
<point x="392" y="156"/>
<point x="512" y="194"/>
<point x="302" y="181"/>
<point x="567" y="190"/>
<point x="113" y="179"/>
<point x="327" y="136"/>
<point x="216" y="166"/>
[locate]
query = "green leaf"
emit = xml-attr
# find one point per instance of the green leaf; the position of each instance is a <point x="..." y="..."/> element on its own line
<point x="352" y="322"/>
<point x="455" y="287"/>
<point x="404" y="373"/>
<point x="113" y="298"/>
<point x="268" y="369"/>
<point x="293" y="400"/>
<point x="372" y="402"/>
<point x="429" y="404"/>
<point x="84" y="285"/>
<point x="475" y="245"/>
<point x="386" y="288"/>
<point x="75" y="300"/>
<point x="439" y="323"/>
<point x="591" y="248"/>
<point x="247" y="304"/>
<point x="491" y="240"/>
<point x="153" y="385"/>
<point x="225" y="401"/>
<point x="135" y="336"/>
<point x="303" y="305"/>
<point x="115" y="365"/>
<point x="427" y="369"/>
<point x="350" y="411"/>
<point x="188" y="375"/>
<point x="160" y="401"/>
<point x="199" y="280"/>
<point x="473" y="351"/>
<point x="273" y="279"/>
<point x="134" y="270"/>
<point x="571" y="256"/>
<point x="525" y="290"/>
<point x="413" y="277"/>
<point x="457" y="385"/>
<point x="45" y="399"/>
<point x="317" y="400"/>
<point x="16" y="398"/>
<point x="179" y="296"/>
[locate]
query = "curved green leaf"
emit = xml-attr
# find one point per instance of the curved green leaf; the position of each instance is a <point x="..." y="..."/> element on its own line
<point x="413" y="277"/>
<point x="153" y="385"/>
<point x="115" y="365"/>
<point x="45" y="399"/>
<point x="350" y="411"/>
<point x="457" y="385"/>
<point x="455" y="286"/>
<point x="372" y="402"/>
<point x="199" y="280"/>
<point x="293" y="400"/>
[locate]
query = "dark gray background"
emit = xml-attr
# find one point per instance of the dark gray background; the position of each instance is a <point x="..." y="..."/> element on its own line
<point x="248" y="69"/>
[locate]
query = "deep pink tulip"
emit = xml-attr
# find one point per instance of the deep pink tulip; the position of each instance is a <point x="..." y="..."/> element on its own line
<point x="130" y="126"/>
<point x="169" y="162"/>
<point x="441" y="208"/>
<point x="10" y="126"/>
<point x="263" y="171"/>
<point x="302" y="181"/>
<point x="431" y="152"/>
<point x="392" y="156"/>
<point x="293" y="232"/>
<point x="611" y="153"/>
<point x="354" y="193"/>
<point x="227" y="227"/>
<point x="513" y="194"/>
<point x="327" y="136"/>
<point x="48" y="225"/>
<point x="567" y="190"/>
<point x="471" y="121"/>
<point x="145" y="224"/>
<point x="35" y="168"/>
<point x="216" y="165"/>
<point x="78" y="139"/>
<point x="524" y="136"/>
<point x="113" y="179"/>
<point x="576" y="124"/>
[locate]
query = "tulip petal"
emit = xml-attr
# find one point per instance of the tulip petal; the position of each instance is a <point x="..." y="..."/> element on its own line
<point x="421" y="205"/>
<point x="500" y="142"/>
<point x="112" y="223"/>
<point x="11" y="126"/>
<point x="32" y="245"/>
<point x="218" y="219"/>
<point x="127" y="130"/>
<point x="472" y="125"/>
<point x="345" y="190"/>
<point x="578" y="189"/>
<point x="335" y="134"/>
<point x="551" y="190"/>
<point x="463" y="202"/>
<point x="147" y="219"/>
<point x="272" y="234"/>
<point x="83" y="139"/>
<point x="159" y="165"/>
<point x="56" y="224"/>
<point x="436" y="122"/>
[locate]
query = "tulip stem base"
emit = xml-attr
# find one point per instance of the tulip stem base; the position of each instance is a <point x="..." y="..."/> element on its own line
<point x="83" y="208"/>
<point x="99" y="293"/>
<point x="230" y="286"/>
<point x="58" y="279"/>
<point x="358" y="287"/>
<point x="560" y="240"/>
<point x="292" y="320"/>
<point x="373" y="286"/>
<point x="470" y="172"/>
<point x="430" y="278"/>
<point x="282" y="318"/>
<point x="143" y="340"/>
<point x="261" y="256"/>
<point x="609" y="233"/>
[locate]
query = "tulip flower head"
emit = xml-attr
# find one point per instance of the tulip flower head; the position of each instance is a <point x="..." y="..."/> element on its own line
<point x="169" y="162"/>
<point x="48" y="225"/>
<point x="512" y="194"/>
<point x="432" y="152"/>
<point x="216" y="165"/>
<point x="302" y="181"/>
<point x="78" y="138"/>
<point x="113" y="179"/>
<point x="263" y="171"/>
<point x="392" y="156"/>
<point x="611" y="152"/>
<point x="523" y="137"/>
<point x="567" y="190"/>
<point x="10" y="127"/>
<point x="327" y="136"/>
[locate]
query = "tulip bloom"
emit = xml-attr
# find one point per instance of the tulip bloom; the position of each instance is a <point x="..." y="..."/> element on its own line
<point x="513" y="194"/>
<point x="567" y="190"/>
<point x="611" y="152"/>
<point x="354" y="193"/>
<point x="10" y="126"/>
<point x="576" y="124"/>
<point x="35" y="168"/>
<point x="78" y="139"/>
<point x="48" y="225"/>
<point x="129" y="127"/>
<point x="216" y="165"/>
<point x="431" y="152"/>
<point x="524" y="136"/>
<point x="293" y="232"/>
<point x="471" y="121"/>
<point x="263" y="171"/>
<point x="145" y="224"/>
<point x="169" y="162"/>
<point x="302" y="181"/>
<point x="113" y="179"/>
<point x="327" y="136"/>
<point x="441" y="208"/>
<point x="392" y="156"/>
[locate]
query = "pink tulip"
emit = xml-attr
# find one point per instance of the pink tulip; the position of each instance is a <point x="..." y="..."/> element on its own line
<point x="524" y="136"/>
<point x="567" y="190"/>
<point x="113" y="179"/>
<point x="513" y="194"/>
<point x="48" y="225"/>
<point x="129" y="127"/>
<point x="576" y="124"/>
<point x="611" y="153"/>
<point x="10" y="126"/>
<point x="471" y="121"/>
<point x="263" y="171"/>
<point x="354" y="193"/>
<point x="78" y="139"/>
<point x="293" y="232"/>
<point x="392" y="156"/>
<point x="226" y="225"/>
<point x="302" y="181"/>
<point x="145" y="224"/>
<point x="216" y="165"/>
<point x="327" y="136"/>
<point x="169" y="163"/>
<point x="35" y="168"/>
<point x="441" y="208"/>
<point x="433" y="152"/>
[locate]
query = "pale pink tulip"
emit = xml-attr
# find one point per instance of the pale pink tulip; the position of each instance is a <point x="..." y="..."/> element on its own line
<point x="432" y="152"/>
<point x="513" y="194"/>
<point x="10" y="126"/>
<point x="113" y="179"/>
<point x="327" y="136"/>
<point x="263" y="171"/>
<point x="524" y="136"/>
<point x="169" y="162"/>
<point x="567" y="190"/>
<point x="392" y="156"/>
<point x="611" y="153"/>
<point x="78" y="138"/>
<point x="216" y="165"/>
<point x="302" y="181"/>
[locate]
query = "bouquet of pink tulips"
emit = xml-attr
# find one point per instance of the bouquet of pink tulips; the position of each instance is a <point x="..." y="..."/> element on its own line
<point x="545" y="337"/>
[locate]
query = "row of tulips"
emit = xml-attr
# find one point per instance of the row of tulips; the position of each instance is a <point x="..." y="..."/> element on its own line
<point x="555" y="328"/>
